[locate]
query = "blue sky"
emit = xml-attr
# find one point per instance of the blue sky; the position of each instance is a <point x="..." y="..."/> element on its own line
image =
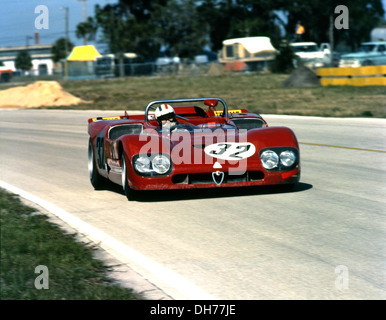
<point x="18" y="20"/>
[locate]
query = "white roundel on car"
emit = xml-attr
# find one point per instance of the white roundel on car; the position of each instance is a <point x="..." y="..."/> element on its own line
<point x="230" y="150"/>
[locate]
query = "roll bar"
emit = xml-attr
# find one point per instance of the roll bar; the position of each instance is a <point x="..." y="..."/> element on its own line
<point x="207" y="101"/>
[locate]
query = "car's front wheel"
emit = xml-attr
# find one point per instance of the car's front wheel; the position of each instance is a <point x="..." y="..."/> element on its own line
<point x="97" y="181"/>
<point x="130" y="193"/>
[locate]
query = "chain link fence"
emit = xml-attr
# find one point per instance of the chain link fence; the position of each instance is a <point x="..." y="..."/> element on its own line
<point x="149" y="69"/>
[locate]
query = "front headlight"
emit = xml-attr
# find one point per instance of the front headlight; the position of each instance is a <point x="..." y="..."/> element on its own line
<point x="269" y="159"/>
<point x="151" y="164"/>
<point x="161" y="164"/>
<point x="287" y="158"/>
<point x="142" y="164"/>
<point x="279" y="158"/>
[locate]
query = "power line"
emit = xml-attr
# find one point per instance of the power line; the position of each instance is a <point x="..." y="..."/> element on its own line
<point x="22" y="36"/>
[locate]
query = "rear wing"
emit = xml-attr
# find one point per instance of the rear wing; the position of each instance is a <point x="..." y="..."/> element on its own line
<point x="108" y="118"/>
<point x="219" y="112"/>
<point x="124" y="117"/>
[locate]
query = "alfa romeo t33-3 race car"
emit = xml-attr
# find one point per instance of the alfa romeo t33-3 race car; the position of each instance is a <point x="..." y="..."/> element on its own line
<point x="210" y="146"/>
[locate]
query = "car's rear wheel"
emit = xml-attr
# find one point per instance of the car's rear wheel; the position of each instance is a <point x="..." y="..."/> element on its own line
<point x="130" y="193"/>
<point x="97" y="181"/>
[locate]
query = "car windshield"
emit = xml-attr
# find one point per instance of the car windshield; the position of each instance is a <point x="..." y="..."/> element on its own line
<point x="201" y="128"/>
<point x="212" y="126"/>
<point x="179" y="127"/>
<point x="366" y="48"/>
<point x="310" y="48"/>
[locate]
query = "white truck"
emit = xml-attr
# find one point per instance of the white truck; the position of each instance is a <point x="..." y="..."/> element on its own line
<point x="368" y="54"/>
<point x="311" y="55"/>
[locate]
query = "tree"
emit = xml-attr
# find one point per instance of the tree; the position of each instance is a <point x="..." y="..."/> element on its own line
<point x="186" y="26"/>
<point x="285" y="58"/>
<point x="234" y="19"/>
<point x="58" y="50"/>
<point x="179" y="29"/>
<point x="315" y="15"/>
<point x="87" y="30"/>
<point x="23" y="61"/>
<point x="124" y="30"/>
<point x="215" y="17"/>
<point x="144" y="26"/>
<point x="364" y="15"/>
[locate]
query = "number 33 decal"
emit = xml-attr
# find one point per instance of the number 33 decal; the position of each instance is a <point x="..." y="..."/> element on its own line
<point x="230" y="150"/>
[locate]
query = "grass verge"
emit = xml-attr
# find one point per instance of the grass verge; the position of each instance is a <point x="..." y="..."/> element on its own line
<point x="29" y="240"/>
<point x="256" y="92"/>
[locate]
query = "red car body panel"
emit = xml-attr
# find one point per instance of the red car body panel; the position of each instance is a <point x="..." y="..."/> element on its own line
<point x="192" y="164"/>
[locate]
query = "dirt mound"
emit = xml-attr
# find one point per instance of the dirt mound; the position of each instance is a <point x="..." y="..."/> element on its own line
<point x="37" y="94"/>
<point x="301" y="77"/>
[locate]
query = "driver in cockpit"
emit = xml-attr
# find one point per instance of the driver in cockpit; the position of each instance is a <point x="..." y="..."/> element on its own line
<point x="166" y="117"/>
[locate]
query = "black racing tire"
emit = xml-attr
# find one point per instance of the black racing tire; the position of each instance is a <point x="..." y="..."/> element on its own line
<point x="97" y="181"/>
<point x="129" y="193"/>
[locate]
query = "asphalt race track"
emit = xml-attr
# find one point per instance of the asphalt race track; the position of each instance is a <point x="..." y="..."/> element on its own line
<point x="324" y="240"/>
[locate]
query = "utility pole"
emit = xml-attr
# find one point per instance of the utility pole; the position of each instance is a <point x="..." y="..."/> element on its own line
<point x="65" y="62"/>
<point x="331" y="36"/>
<point x="66" y="17"/>
<point x="84" y="19"/>
<point x="27" y="41"/>
<point x="331" y="32"/>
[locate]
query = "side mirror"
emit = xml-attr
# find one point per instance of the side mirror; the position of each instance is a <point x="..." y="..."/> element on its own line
<point x="211" y="102"/>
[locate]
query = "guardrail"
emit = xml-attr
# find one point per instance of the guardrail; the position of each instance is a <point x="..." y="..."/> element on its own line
<point x="348" y="76"/>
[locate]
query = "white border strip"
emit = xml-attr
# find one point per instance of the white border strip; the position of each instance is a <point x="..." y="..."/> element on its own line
<point x="167" y="280"/>
<point x="345" y="119"/>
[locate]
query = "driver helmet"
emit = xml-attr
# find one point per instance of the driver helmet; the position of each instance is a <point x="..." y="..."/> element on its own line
<point x="165" y="112"/>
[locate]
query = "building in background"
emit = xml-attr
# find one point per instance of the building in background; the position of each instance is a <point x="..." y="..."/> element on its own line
<point x="41" y="57"/>
<point x="81" y="62"/>
<point x="42" y="63"/>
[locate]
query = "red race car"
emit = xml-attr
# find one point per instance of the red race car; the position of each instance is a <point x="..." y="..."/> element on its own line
<point x="190" y="143"/>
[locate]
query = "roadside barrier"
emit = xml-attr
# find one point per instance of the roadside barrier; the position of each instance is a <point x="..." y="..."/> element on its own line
<point x="348" y="76"/>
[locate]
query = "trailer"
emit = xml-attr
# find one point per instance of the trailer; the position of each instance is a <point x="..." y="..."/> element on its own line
<point x="247" y="54"/>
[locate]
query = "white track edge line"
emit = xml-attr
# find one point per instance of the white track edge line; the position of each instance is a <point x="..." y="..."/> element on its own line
<point x="187" y="289"/>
